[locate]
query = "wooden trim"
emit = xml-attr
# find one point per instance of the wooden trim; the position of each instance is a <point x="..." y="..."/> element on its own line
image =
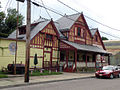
<point x="68" y="45"/>
<point x="75" y="58"/>
<point x="51" y="56"/>
<point x="86" y="25"/>
<point x="47" y="51"/>
<point x="55" y="58"/>
<point x="43" y="54"/>
<point x="101" y="40"/>
<point x="95" y="62"/>
<point x="86" y="60"/>
<point x="12" y="39"/>
<point x="35" y="47"/>
<point x="108" y="60"/>
<point x="37" y="56"/>
<point x="67" y="57"/>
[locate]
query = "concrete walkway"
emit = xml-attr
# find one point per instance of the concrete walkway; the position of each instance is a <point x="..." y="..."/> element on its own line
<point x="19" y="80"/>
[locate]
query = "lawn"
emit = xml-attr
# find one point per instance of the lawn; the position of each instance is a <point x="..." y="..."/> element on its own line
<point x="34" y="73"/>
<point x="3" y="75"/>
<point x="37" y="73"/>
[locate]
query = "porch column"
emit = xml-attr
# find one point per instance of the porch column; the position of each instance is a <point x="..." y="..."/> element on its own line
<point x="67" y="56"/>
<point x="95" y="61"/>
<point x="76" y="58"/>
<point x="86" y="59"/>
<point x="101" y="58"/>
<point x="108" y="59"/>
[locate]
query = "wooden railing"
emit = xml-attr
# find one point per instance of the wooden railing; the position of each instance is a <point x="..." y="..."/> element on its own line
<point x="47" y="65"/>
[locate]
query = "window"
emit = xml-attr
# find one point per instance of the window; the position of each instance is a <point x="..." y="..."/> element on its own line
<point x="48" y="36"/>
<point x="84" y="34"/>
<point x="62" y="56"/>
<point x="96" y="38"/>
<point x="88" y="59"/>
<point x="79" y="30"/>
<point x="77" y="57"/>
<point x="22" y="31"/>
<point x="84" y="58"/>
<point x="93" y="58"/>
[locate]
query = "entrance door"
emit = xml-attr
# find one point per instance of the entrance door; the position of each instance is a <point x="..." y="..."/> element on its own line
<point x="47" y="57"/>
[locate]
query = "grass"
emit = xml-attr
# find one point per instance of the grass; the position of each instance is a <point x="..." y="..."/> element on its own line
<point x="3" y="74"/>
<point x="34" y="73"/>
<point x="37" y="73"/>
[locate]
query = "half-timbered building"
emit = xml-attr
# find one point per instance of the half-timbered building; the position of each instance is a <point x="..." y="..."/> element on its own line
<point x="82" y="48"/>
<point x="67" y="43"/>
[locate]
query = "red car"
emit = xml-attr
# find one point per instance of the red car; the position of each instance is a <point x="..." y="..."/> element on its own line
<point x="108" y="71"/>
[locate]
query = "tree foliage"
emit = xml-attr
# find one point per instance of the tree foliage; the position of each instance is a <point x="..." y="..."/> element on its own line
<point x="104" y="38"/>
<point x="9" y="23"/>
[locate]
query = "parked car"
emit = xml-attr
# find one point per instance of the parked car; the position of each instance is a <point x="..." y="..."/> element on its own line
<point x="108" y="71"/>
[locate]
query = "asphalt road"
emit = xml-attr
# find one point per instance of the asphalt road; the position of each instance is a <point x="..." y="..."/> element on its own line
<point x="80" y="84"/>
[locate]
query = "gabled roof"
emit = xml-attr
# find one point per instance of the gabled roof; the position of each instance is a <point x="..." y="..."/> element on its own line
<point x="38" y="28"/>
<point x="95" y="30"/>
<point x="34" y="31"/>
<point x="89" y="48"/>
<point x="66" y="22"/>
<point x="41" y="23"/>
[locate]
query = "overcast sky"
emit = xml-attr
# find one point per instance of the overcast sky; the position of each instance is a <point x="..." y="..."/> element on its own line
<point x="104" y="11"/>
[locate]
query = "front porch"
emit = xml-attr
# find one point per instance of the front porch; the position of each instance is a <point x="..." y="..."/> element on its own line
<point x="72" y="59"/>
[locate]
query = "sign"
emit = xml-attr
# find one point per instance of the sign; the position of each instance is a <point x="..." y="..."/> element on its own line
<point x="12" y="47"/>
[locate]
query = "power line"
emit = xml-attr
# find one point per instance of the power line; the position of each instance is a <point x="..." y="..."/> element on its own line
<point x="52" y="10"/>
<point x="70" y="18"/>
<point x="45" y="8"/>
<point x="89" y="17"/>
<point x="109" y="34"/>
<point x="6" y="5"/>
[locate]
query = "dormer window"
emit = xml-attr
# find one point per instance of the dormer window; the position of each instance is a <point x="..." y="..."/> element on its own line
<point x="22" y="31"/>
<point x="48" y="36"/>
<point x="78" y="31"/>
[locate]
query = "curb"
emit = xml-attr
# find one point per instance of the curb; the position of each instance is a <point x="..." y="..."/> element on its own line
<point x="26" y="84"/>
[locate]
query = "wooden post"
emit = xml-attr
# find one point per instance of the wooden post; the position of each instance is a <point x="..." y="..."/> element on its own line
<point x="67" y="53"/>
<point x="28" y="40"/>
<point x="16" y="38"/>
<point x="95" y="61"/>
<point x="86" y="60"/>
<point x="108" y="59"/>
<point x="76" y="59"/>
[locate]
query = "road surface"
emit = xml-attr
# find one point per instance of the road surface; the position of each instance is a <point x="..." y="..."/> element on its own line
<point x="80" y="84"/>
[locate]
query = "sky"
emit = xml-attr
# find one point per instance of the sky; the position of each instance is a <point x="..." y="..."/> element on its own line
<point x="104" y="11"/>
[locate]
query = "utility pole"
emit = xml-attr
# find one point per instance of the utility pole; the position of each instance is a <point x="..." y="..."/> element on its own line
<point x="16" y="38"/>
<point x="28" y="41"/>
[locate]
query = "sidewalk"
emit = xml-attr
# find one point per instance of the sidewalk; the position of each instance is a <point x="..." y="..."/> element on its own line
<point x="19" y="80"/>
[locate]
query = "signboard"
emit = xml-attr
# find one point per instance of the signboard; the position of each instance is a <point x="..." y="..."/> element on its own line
<point x="12" y="47"/>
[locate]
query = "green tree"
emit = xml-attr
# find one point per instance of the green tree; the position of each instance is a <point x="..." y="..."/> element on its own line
<point x="9" y="23"/>
<point x="104" y="38"/>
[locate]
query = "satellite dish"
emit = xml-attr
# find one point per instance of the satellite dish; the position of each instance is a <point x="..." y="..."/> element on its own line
<point x="12" y="47"/>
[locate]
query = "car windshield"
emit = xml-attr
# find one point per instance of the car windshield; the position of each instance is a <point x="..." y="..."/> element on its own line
<point x="107" y="68"/>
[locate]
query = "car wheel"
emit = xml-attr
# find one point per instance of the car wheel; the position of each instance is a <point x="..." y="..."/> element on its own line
<point x="111" y="76"/>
